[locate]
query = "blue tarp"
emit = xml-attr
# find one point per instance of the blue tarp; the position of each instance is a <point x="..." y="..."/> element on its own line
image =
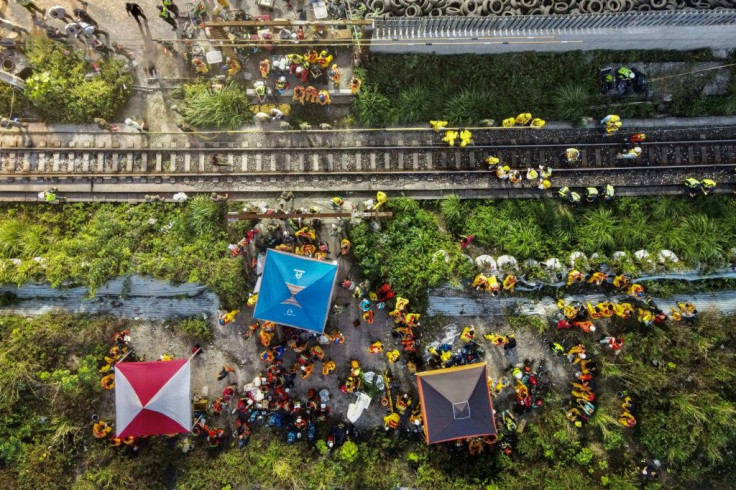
<point x="296" y="291"/>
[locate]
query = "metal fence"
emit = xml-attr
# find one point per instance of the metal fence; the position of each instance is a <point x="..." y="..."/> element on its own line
<point x="469" y="27"/>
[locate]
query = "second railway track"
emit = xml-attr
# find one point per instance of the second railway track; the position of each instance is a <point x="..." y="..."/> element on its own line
<point x="426" y="171"/>
<point x="411" y="158"/>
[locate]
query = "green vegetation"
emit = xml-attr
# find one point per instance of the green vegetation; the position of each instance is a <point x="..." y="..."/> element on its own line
<point x="686" y="401"/>
<point x="410" y="252"/>
<point x="698" y="231"/>
<point x="204" y="106"/>
<point x="12" y="100"/>
<point x="61" y="91"/>
<point x="465" y="89"/>
<point x="49" y="381"/>
<point x="90" y="244"/>
<point x="196" y="328"/>
<point x="50" y="387"/>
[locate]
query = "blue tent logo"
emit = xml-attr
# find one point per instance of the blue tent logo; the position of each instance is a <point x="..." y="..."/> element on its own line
<point x="296" y="291"/>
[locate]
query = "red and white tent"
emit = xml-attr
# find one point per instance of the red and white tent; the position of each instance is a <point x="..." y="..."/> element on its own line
<point x="152" y="398"/>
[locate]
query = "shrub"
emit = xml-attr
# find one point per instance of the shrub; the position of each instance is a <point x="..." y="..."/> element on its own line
<point x="414" y="104"/>
<point x="60" y="90"/>
<point x="410" y="252"/>
<point x="468" y="106"/>
<point x="90" y="244"/>
<point x="348" y="452"/>
<point x="196" y="328"/>
<point x="373" y="109"/>
<point x="571" y="102"/>
<point x="208" y="107"/>
<point x="451" y="209"/>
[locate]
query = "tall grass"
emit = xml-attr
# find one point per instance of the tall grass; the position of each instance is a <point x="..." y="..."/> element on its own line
<point x="468" y="106"/>
<point x="414" y="104"/>
<point x="571" y="101"/>
<point x="373" y="109"/>
<point x="450" y="207"/>
<point x="216" y="108"/>
<point x="700" y="230"/>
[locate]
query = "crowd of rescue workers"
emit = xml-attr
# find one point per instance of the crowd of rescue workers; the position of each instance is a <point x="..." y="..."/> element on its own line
<point x="292" y="356"/>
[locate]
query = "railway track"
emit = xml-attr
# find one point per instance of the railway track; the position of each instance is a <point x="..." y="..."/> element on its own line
<point x="418" y="169"/>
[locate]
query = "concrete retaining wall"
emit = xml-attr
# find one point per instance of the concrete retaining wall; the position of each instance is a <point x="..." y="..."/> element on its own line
<point x="145" y="297"/>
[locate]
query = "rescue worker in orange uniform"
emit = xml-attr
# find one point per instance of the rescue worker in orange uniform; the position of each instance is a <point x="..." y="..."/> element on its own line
<point x="100" y="429"/>
<point x="328" y="367"/>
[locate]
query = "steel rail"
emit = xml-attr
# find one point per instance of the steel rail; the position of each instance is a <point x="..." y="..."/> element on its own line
<point x="330" y="174"/>
<point x="249" y="149"/>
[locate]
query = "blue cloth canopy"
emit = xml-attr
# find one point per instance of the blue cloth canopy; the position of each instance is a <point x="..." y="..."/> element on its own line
<point x="296" y="291"/>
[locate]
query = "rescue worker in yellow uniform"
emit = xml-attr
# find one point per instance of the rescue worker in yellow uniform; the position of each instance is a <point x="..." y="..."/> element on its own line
<point x="468" y="334"/>
<point x="598" y="278"/>
<point x="572" y="155"/>
<point x="509" y="283"/>
<point x="391" y="421"/>
<point x="538" y="123"/>
<point x="574" y="277"/>
<point x="438" y="125"/>
<point x="624" y="310"/>
<point x="375" y="348"/>
<point x="523" y="119"/>
<point x="381" y="199"/>
<point x="492" y="162"/>
<point x="450" y="137"/>
<point x="403" y="402"/>
<point x="622" y="281"/>
<point x="466" y="137"/>
<point x="108" y="381"/>
<point x="707" y="185"/>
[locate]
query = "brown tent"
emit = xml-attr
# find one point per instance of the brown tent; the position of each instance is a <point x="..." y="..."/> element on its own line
<point x="456" y="403"/>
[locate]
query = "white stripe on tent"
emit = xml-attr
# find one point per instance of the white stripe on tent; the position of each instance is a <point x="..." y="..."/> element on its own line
<point x="127" y="403"/>
<point x="173" y="399"/>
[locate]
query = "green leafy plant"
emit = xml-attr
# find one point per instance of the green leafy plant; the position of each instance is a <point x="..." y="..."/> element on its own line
<point x="348" y="452"/>
<point x="468" y="106"/>
<point x="373" y="109"/>
<point x="571" y="101"/>
<point x="414" y="104"/>
<point x="196" y="328"/>
<point x="208" y="107"/>
<point x="61" y="91"/>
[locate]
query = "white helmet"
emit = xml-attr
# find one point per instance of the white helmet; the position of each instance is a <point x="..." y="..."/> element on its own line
<point x="632" y="75"/>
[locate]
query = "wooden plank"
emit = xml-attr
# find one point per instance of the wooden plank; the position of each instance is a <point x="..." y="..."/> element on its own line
<point x="366" y="214"/>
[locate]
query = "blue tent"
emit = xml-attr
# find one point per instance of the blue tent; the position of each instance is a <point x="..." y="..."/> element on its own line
<point x="295" y="291"/>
